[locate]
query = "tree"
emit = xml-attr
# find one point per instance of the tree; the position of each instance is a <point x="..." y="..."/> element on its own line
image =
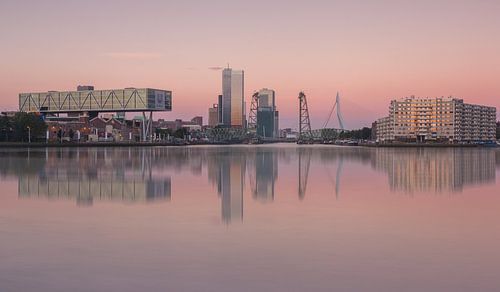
<point x="498" y="130"/>
<point x="22" y="121"/>
<point x="180" y="133"/>
<point x="5" y="128"/>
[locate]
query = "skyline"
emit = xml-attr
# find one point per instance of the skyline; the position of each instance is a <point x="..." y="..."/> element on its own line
<point x="371" y="52"/>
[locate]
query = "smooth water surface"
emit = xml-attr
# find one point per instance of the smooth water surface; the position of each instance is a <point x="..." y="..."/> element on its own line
<point x="250" y="218"/>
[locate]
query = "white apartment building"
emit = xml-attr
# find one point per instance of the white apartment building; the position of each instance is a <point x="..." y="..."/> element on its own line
<point x="437" y="119"/>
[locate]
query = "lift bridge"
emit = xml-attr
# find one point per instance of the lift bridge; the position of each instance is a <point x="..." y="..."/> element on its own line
<point x="306" y="134"/>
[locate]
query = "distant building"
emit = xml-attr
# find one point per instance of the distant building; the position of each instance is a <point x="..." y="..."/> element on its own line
<point x="265" y="122"/>
<point x="374" y="131"/>
<point x="213" y="116"/>
<point x="9" y="114"/>
<point x="267" y="115"/>
<point x="219" y="106"/>
<point x="233" y="112"/>
<point x="437" y="119"/>
<point x="288" y="133"/>
<point x="198" y="120"/>
<point x="84" y="87"/>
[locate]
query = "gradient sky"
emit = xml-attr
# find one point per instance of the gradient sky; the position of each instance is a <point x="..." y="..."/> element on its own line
<point x="370" y="51"/>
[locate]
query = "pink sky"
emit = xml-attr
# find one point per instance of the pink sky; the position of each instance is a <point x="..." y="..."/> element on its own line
<point x="370" y="51"/>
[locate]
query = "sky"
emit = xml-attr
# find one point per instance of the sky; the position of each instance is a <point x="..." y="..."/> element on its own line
<point x="369" y="51"/>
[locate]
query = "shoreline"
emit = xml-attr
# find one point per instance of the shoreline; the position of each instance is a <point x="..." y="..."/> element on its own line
<point x="158" y="144"/>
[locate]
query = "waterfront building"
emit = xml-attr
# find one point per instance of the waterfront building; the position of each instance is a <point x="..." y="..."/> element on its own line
<point x="267" y="115"/>
<point x="86" y="99"/>
<point x="233" y="101"/>
<point x="213" y="116"/>
<point x="265" y="122"/>
<point x="414" y="119"/>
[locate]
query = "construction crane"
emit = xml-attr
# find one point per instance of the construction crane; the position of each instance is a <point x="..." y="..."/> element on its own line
<point x="305" y="132"/>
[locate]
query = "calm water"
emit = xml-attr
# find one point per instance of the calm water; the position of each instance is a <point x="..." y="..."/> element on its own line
<point x="246" y="218"/>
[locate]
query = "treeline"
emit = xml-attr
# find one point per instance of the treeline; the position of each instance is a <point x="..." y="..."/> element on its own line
<point x="364" y="133"/>
<point x="22" y="127"/>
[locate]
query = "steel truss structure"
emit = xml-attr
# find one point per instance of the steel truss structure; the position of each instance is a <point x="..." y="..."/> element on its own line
<point x="254" y="107"/>
<point x="117" y="100"/>
<point x="226" y="134"/>
<point x="304" y="121"/>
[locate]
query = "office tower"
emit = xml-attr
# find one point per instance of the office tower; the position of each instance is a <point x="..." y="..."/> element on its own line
<point x="437" y="119"/>
<point x="267" y="116"/>
<point x="213" y="116"/>
<point x="233" y="98"/>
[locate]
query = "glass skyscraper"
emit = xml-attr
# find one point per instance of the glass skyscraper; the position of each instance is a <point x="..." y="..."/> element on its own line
<point x="267" y="115"/>
<point x="233" y="98"/>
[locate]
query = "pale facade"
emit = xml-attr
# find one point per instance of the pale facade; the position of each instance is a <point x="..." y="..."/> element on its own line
<point x="438" y="119"/>
<point x="213" y="116"/>
<point x="233" y="98"/>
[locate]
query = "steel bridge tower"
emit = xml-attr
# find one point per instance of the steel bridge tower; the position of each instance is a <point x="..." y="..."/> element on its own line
<point x="336" y="105"/>
<point x="304" y="121"/>
<point x="254" y="107"/>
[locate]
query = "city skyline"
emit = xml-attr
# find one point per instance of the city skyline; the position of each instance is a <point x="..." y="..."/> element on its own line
<point x="371" y="52"/>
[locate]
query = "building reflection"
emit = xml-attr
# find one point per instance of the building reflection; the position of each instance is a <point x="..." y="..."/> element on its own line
<point x="227" y="171"/>
<point x="263" y="175"/>
<point x="86" y="175"/>
<point x="416" y="170"/>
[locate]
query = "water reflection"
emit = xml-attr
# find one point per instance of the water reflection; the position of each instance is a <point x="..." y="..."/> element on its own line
<point x="145" y="174"/>
<point x="86" y="175"/>
<point x="419" y="170"/>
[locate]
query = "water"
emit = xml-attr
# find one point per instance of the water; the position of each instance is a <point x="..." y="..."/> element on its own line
<point x="250" y="218"/>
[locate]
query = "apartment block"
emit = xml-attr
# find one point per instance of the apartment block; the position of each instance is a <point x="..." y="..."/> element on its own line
<point x="415" y="119"/>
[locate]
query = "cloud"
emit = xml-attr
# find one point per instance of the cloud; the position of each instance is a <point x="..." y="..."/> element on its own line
<point x="215" y="68"/>
<point x="133" y="55"/>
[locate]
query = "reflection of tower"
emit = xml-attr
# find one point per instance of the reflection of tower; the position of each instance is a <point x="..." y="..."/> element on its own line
<point x="304" y="163"/>
<point x="232" y="174"/>
<point x="266" y="172"/>
<point x="337" y="176"/>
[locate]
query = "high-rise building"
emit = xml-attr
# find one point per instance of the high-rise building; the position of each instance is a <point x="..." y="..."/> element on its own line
<point x="267" y="98"/>
<point x="233" y="113"/>
<point x="219" y="107"/>
<point x="438" y="119"/>
<point x="267" y="115"/>
<point x="213" y="116"/>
